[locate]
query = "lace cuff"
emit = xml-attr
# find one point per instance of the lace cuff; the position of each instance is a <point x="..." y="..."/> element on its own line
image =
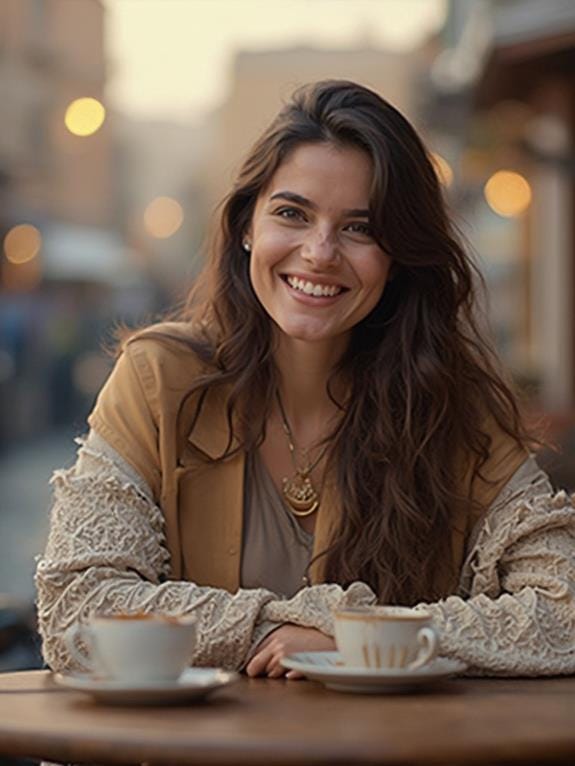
<point x="516" y="611"/>
<point x="313" y="607"/>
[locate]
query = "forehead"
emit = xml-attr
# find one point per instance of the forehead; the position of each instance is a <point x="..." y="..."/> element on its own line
<point x="325" y="171"/>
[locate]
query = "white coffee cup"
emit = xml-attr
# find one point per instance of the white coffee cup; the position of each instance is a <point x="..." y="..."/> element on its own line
<point x="385" y="637"/>
<point x="135" y="649"/>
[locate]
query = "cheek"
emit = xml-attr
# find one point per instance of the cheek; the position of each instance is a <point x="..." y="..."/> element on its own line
<point x="376" y="272"/>
<point x="268" y="250"/>
<point x="263" y="260"/>
<point x="273" y="243"/>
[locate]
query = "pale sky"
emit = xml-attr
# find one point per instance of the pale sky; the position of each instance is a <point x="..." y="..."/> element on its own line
<point x="171" y="59"/>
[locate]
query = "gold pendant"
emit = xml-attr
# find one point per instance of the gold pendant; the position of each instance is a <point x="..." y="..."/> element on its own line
<point x="300" y="494"/>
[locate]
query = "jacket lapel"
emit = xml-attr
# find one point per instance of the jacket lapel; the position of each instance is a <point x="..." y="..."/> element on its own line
<point x="211" y="499"/>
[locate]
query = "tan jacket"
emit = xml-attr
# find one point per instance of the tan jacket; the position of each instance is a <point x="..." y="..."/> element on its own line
<point x="142" y="412"/>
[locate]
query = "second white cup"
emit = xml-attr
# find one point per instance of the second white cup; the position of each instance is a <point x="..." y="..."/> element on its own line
<point x="385" y="637"/>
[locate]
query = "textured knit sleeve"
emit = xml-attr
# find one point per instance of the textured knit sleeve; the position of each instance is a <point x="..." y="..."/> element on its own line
<point x="106" y="553"/>
<point x="515" y="612"/>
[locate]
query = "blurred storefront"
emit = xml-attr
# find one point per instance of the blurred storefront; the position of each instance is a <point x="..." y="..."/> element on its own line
<point x="501" y="95"/>
<point x="51" y="327"/>
<point x="528" y="85"/>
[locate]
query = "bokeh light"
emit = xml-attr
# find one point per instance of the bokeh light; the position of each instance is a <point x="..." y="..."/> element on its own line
<point x="22" y="243"/>
<point x="508" y="193"/>
<point x="443" y="169"/>
<point x="85" y="116"/>
<point x="163" y="217"/>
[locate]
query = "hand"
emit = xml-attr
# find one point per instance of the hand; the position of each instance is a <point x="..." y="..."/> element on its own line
<point x="287" y="639"/>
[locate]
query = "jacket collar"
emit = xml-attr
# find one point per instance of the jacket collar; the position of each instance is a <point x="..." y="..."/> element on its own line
<point x="210" y="430"/>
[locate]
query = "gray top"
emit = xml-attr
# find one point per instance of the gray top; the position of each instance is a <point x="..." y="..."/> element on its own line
<point x="276" y="550"/>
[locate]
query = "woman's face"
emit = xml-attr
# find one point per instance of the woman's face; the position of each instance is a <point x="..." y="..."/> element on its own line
<point x="314" y="263"/>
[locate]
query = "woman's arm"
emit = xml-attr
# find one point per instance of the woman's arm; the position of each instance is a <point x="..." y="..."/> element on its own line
<point x="516" y="612"/>
<point x="106" y="552"/>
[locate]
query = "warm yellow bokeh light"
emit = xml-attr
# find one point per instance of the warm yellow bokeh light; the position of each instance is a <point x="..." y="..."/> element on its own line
<point x="443" y="169"/>
<point x="163" y="217"/>
<point x="84" y="116"/>
<point x="22" y="243"/>
<point x="507" y="193"/>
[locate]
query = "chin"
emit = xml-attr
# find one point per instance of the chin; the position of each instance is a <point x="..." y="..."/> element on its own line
<point x="307" y="333"/>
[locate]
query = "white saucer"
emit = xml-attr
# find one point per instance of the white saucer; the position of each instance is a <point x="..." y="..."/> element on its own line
<point x="193" y="684"/>
<point x="327" y="668"/>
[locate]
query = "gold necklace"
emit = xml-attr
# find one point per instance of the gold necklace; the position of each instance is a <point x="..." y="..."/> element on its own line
<point x="299" y="492"/>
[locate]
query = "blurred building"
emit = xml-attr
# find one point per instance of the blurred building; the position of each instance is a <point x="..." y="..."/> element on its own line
<point x="52" y="52"/>
<point x="262" y="81"/>
<point x="63" y="259"/>
<point x="157" y="158"/>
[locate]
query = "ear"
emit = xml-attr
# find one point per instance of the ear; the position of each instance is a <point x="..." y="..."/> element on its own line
<point x="247" y="238"/>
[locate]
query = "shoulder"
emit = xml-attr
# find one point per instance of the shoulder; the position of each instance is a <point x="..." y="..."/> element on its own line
<point x="164" y="356"/>
<point x="142" y="398"/>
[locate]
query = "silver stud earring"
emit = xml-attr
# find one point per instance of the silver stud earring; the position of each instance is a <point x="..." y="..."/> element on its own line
<point x="246" y="246"/>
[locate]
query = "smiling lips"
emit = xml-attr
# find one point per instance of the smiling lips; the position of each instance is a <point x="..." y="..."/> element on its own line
<point x="315" y="289"/>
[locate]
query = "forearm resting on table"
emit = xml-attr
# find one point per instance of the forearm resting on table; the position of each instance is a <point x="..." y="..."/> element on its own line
<point x="106" y="552"/>
<point x="517" y="616"/>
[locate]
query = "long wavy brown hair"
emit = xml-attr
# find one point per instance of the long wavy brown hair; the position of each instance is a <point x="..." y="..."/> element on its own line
<point x="421" y="375"/>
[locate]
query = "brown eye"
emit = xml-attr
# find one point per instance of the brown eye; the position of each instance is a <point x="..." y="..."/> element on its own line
<point x="360" y="228"/>
<point x="290" y="214"/>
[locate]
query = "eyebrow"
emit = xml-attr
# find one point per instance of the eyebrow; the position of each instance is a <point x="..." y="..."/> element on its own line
<point x="298" y="199"/>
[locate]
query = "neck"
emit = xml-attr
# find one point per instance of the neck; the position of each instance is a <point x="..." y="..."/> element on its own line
<point x="304" y="371"/>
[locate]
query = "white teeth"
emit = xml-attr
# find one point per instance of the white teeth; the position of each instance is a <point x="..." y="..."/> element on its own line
<point x="310" y="289"/>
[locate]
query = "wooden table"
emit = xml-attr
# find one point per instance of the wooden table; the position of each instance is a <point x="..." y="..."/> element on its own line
<point x="296" y="723"/>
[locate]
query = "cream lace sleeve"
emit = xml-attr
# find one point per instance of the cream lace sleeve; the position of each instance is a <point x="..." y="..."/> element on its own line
<point x="515" y="612"/>
<point x="106" y="552"/>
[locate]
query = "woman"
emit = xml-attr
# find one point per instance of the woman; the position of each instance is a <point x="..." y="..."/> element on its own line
<point x="324" y="426"/>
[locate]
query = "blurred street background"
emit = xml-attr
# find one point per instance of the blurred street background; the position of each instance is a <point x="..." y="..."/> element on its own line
<point x="123" y="122"/>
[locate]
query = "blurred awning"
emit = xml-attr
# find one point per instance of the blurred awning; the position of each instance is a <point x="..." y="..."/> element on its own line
<point x="83" y="253"/>
<point x="530" y="39"/>
<point x="501" y="49"/>
<point x="513" y="70"/>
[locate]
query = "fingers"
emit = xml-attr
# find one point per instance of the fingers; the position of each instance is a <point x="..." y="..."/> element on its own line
<point x="285" y="640"/>
<point x="294" y="675"/>
<point x="274" y="668"/>
<point x="269" y="664"/>
<point x="266" y="662"/>
<point x="258" y="664"/>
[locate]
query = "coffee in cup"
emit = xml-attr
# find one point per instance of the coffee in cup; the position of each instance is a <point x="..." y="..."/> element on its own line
<point x="134" y="648"/>
<point x="385" y="637"/>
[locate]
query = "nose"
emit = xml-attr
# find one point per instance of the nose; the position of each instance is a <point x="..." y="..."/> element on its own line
<point x="320" y="249"/>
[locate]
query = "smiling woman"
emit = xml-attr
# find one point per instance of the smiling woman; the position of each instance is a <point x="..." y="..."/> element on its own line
<point x="325" y="426"/>
<point x="316" y="266"/>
